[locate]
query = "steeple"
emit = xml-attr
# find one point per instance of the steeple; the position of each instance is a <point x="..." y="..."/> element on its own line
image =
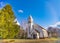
<point x="30" y="26"/>
<point x="30" y="19"/>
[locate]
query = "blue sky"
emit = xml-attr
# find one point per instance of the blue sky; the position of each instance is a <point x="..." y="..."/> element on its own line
<point x="44" y="12"/>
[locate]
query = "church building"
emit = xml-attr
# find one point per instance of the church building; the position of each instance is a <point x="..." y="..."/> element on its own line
<point x="35" y="31"/>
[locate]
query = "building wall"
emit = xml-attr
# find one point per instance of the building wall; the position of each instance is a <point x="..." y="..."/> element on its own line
<point x="45" y="33"/>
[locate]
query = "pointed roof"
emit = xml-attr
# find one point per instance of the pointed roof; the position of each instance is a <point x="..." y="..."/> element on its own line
<point x="38" y="27"/>
<point x="30" y="19"/>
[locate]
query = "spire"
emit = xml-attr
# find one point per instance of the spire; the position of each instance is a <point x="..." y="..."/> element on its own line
<point x="30" y="19"/>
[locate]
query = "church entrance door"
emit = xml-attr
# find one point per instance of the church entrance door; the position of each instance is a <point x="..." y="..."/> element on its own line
<point x="34" y="36"/>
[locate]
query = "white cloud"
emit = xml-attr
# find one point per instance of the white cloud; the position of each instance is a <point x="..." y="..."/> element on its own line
<point x="55" y="25"/>
<point x="20" y="11"/>
<point x="58" y="23"/>
<point x="52" y="26"/>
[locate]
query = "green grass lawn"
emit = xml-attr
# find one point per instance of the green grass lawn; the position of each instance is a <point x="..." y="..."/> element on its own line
<point x="51" y="40"/>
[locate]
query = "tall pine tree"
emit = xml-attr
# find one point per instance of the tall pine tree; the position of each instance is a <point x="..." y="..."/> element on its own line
<point x="8" y="28"/>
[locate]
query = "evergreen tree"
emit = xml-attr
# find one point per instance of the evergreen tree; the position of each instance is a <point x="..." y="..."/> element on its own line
<point x="8" y="28"/>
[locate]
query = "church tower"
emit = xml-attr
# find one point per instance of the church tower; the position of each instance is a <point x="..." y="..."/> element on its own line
<point x="30" y="26"/>
<point x="30" y="21"/>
